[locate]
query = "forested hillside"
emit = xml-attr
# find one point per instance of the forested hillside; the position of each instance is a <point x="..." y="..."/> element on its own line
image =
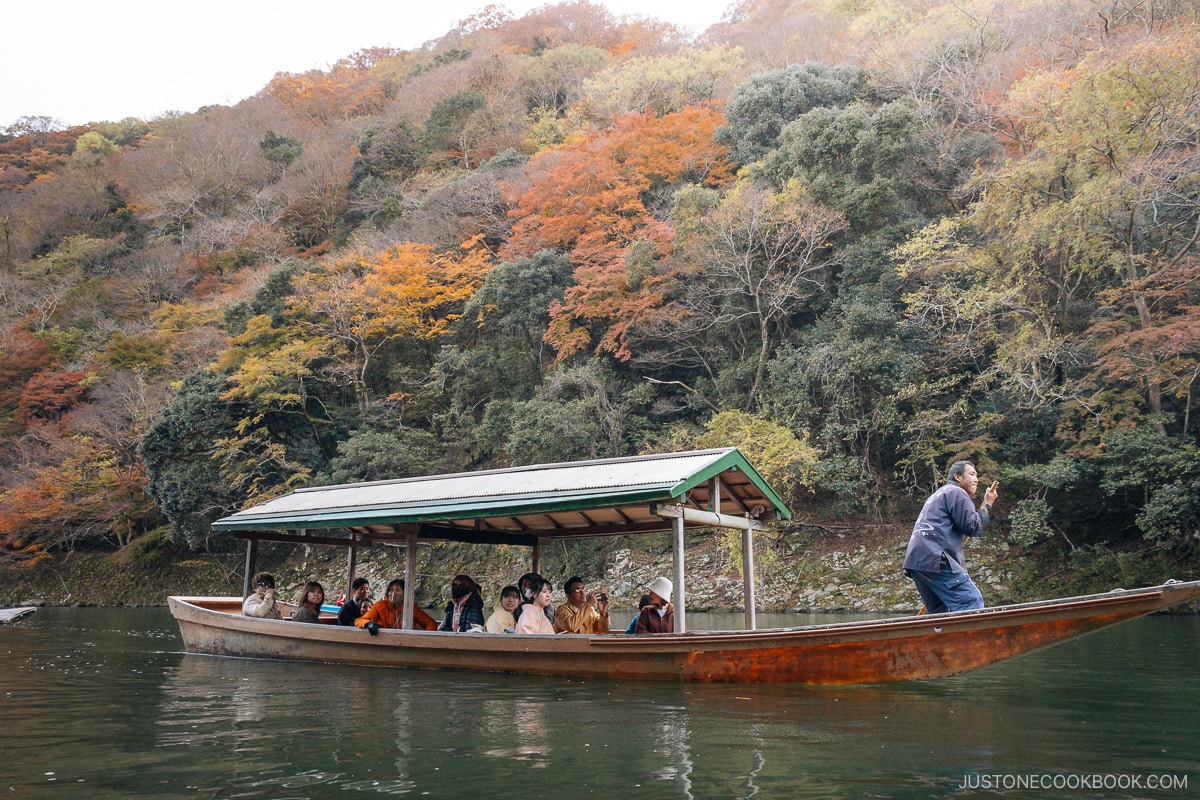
<point x="857" y="240"/>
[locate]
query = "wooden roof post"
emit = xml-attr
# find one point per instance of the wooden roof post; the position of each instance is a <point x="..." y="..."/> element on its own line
<point x="251" y="558"/>
<point x="680" y="609"/>
<point x="748" y="574"/>
<point x="351" y="565"/>
<point x="410" y="579"/>
<point x="714" y="494"/>
<point x="537" y="558"/>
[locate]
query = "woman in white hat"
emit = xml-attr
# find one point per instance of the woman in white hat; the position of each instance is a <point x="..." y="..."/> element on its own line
<point x="659" y="615"/>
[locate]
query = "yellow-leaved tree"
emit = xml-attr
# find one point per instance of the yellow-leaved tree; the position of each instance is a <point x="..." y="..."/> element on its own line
<point x="786" y="461"/>
<point x="342" y="322"/>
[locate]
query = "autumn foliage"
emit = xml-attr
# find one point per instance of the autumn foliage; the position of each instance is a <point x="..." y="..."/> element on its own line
<point x="958" y="232"/>
<point x="592" y="199"/>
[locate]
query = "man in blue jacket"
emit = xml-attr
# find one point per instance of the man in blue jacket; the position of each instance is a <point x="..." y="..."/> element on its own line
<point x="934" y="559"/>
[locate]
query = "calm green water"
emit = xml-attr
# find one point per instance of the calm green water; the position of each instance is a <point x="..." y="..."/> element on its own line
<point x="102" y="703"/>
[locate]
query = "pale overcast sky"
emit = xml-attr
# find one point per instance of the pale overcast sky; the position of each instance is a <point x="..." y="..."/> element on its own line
<point x="84" y="61"/>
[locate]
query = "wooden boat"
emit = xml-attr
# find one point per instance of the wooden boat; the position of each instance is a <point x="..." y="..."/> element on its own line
<point x="527" y="506"/>
<point x="14" y="614"/>
<point x="877" y="651"/>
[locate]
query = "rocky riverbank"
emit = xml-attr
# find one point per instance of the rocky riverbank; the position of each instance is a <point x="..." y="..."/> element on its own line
<point x="809" y="566"/>
<point x="836" y="572"/>
<point x="841" y="574"/>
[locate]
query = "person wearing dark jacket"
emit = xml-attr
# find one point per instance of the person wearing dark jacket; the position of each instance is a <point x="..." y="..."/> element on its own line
<point x="357" y="603"/>
<point x="659" y="615"/>
<point x="934" y="559"/>
<point x="464" y="612"/>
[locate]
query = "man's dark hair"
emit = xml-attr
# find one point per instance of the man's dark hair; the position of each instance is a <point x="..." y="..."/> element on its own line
<point x="958" y="468"/>
<point x="571" y="580"/>
<point x="358" y="582"/>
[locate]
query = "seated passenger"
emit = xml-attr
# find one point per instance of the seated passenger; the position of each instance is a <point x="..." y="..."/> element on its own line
<point x="533" y="621"/>
<point x="311" y="598"/>
<point x="388" y="612"/>
<point x="261" y="602"/>
<point x="659" y="616"/>
<point x="524" y="584"/>
<point x="357" y="603"/>
<point x="584" y="611"/>
<point x="464" y="612"/>
<point x="502" y="619"/>
<point x="645" y="601"/>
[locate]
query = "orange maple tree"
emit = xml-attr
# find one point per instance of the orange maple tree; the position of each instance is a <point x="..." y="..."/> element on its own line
<point x="589" y="198"/>
<point x="321" y="97"/>
<point x="88" y="495"/>
<point x="345" y="313"/>
<point x="21" y="357"/>
<point x="47" y="396"/>
<point x="31" y="155"/>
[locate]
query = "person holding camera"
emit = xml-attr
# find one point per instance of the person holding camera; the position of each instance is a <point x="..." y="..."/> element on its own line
<point x="584" y="611"/>
<point x="261" y="602"/>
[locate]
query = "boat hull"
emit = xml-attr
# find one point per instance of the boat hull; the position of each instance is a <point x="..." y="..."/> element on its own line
<point x="877" y="651"/>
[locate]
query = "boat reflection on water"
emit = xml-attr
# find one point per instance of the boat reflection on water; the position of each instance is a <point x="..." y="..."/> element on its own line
<point x="529" y="729"/>
<point x="402" y="731"/>
<point x="674" y="735"/>
<point x="311" y="729"/>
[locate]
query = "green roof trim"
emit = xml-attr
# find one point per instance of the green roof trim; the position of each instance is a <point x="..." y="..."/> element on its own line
<point x="733" y="459"/>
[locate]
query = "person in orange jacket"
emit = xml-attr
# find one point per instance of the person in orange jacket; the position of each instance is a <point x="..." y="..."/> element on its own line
<point x="387" y="613"/>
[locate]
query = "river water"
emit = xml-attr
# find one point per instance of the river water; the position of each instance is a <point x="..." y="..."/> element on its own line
<point x="103" y="703"/>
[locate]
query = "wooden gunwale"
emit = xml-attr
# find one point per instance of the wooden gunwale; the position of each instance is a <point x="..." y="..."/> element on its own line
<point x="961" y="619"/>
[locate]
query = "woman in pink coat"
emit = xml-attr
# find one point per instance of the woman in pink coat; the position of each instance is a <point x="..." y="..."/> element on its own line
<point x="533" y="620"/>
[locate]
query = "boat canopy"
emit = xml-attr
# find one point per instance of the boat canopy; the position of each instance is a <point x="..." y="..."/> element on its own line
<point x="584" y="498"/>
<point x="715" y="488"/>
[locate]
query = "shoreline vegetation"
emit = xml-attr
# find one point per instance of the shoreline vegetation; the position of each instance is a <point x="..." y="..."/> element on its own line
<point x="858" y="242"/>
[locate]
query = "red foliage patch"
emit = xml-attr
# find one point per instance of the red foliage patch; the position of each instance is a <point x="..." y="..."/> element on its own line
<point x="46" y="397"/>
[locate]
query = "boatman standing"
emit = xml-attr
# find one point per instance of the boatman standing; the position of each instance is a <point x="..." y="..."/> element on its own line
<point x="934" y="559"/>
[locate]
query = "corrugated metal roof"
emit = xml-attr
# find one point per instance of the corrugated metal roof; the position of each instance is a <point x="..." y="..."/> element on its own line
<point x="547" y="500"/>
